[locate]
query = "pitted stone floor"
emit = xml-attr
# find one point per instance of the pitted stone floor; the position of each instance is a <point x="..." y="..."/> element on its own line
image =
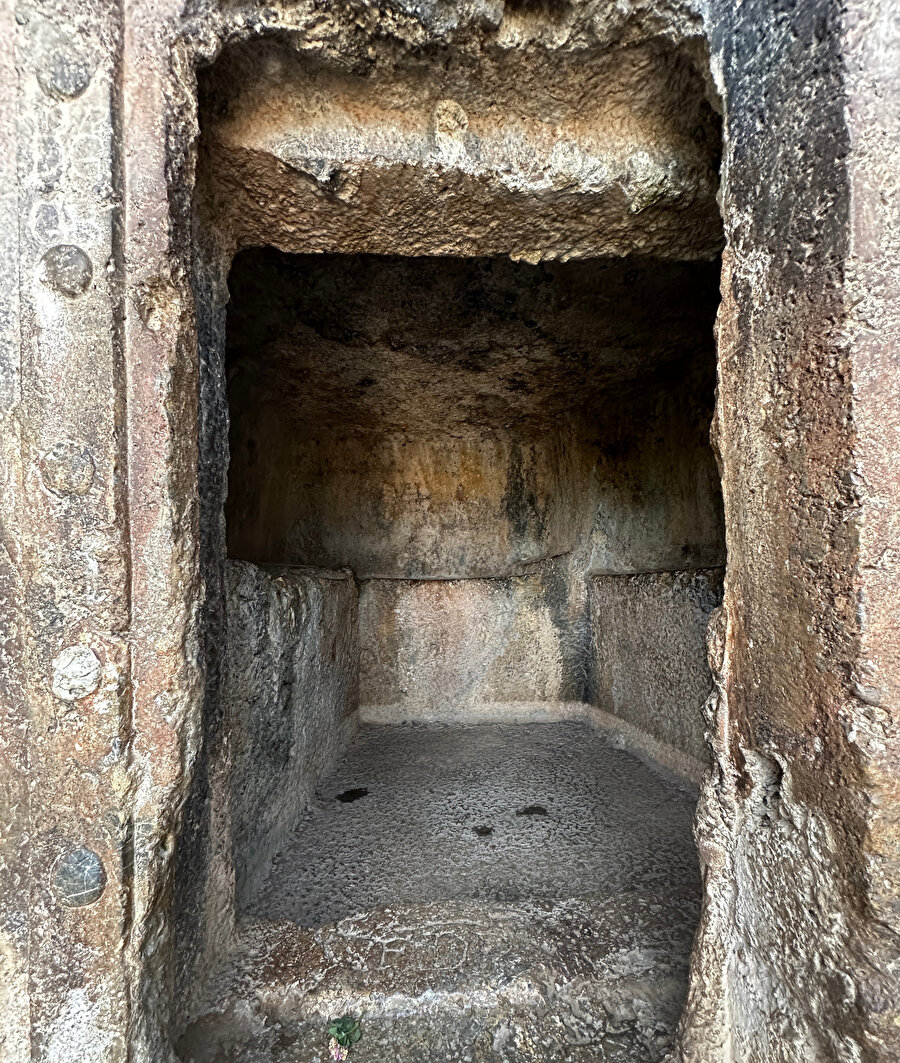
<point x="502" y="892"/>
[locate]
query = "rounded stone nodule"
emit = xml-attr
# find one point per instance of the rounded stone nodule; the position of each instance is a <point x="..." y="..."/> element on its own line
<point x="65" y="74"/>
<point x="450" y="120"/>
<point x="66" y="269"/>
<point x="80" y="878"/>
<point x="76" y="673"/>
<point x="67" y="469"/>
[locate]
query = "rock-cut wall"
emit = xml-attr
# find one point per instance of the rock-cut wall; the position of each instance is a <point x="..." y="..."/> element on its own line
<point x="105" y="364"/>
<point x="649" y="645"/>
<point x="476" y="439"/>
<point x="477" y="649"/>
<point x="291" y="688"/>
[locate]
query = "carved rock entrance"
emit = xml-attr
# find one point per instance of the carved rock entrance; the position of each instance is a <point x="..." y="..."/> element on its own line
<point x="464" y="493"/>
<point x="549" y="134"/>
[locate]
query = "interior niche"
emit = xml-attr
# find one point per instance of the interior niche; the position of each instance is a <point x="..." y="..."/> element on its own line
<point x="489" y="448"/>
<point x="463" y="537"/>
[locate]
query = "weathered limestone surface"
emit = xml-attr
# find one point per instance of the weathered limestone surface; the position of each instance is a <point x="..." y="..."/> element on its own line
<point x="292" y="689"/>
<point x="68" y="827"/>
<point x="455" y="137"/>
<point x="360" y="435"/>
<point x="649" y="638"/>
<point x="655" y="496"/>
<point x="104" y="339"/>
<point x="389" y="506"/>
<point x="14" y="804"/>
<point x="543" y="912"/>
<point x="456" y="419"/>
<point x="289" y="693"/>
<point x="585" y="977"/>
<point x="449" y="418"/>
<point x="560" y="811"/>
<point x="445" y="649"/>
<point x="546" y="646"/>
<point x="796" y="954"/>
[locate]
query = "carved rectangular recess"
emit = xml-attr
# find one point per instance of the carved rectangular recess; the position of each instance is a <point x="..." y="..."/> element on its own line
<point x="464" y="490"/>
<point x="473" y="534"/>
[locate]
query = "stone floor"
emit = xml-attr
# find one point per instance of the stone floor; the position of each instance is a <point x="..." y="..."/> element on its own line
<point x="491" y="892"/>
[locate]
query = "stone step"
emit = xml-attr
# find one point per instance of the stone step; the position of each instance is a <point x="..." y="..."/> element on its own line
<point x="523" y="981"/>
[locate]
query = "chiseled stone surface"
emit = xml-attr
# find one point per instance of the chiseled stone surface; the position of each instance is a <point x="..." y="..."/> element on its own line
<point x="484" y="811"/>
<point x="445" y="649"/>
<point x="622" y="161"/>
<point x="66" y="779"/>
<point x="796" y="953"/>
<point x="291" y="693"/>
<point x="798" y="823"/>
<point x="627" y="651"/>
<point x="649" y="639"/>
<point x="461" y="417"/>
<point x="406" y="418"/>
<point x="570" y="981"/>
<point x="484" y="892"/>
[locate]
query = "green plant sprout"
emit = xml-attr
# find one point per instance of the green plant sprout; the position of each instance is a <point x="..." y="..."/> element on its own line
<point x="343" y="1032"/>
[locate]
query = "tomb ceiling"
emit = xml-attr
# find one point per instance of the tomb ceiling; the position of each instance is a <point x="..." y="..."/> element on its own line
<point x="536" y="153"/>
<point x="457" y="345"/>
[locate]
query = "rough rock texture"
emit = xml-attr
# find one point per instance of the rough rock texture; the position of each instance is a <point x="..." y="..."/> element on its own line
<point x="289" y="693"/>
<point x="443" y="649"/>
<point x="546" y="644"/>
<point x="486" y="982"/>
<point x="394" y="506"/>
<point x="621" y="161"/>
<point x="656" y="500"/>
<point x="444" y="418"/>
<point x="457" y="418"/>
<point x="291" y="690"/>
<point x="67" y="791"/>
<point x="649" y="637"/>
<point x="493" y="812"/>
<point x="579" y="860"/>
<point x="104" y="351"/>
<point x="796" y="953"/>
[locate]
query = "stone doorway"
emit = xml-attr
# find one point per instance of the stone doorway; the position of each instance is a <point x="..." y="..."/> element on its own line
<point x="158" y="143"/>
<point x="474" y="536"/>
